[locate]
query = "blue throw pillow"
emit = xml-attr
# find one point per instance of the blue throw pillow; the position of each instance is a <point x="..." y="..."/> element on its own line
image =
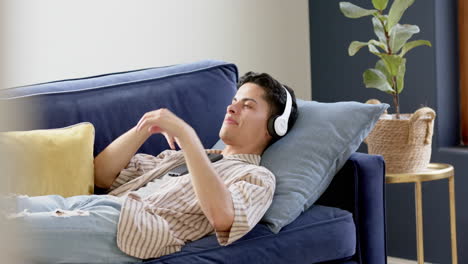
<point x="306" y="159"/>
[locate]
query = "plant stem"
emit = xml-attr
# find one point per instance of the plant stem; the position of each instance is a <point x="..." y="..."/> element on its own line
<point x="395" y="97"/>
<point x="397" y="107"/>
<point x="394" y="80"/>
<point x="387" y="36"/>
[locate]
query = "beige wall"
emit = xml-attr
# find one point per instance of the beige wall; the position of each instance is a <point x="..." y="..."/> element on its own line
<point x="10" y="252"/>
<point x="55" y="39"/>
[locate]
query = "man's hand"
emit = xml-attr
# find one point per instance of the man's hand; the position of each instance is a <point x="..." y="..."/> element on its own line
<point x="165" y="122"/>
<point x="116" y="156"/>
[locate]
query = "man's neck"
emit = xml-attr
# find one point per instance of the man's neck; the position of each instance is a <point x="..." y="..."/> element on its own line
<point x="231" y="150"/>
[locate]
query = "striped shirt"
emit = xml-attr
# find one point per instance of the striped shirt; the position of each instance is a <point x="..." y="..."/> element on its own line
<point x="162" y="222"/>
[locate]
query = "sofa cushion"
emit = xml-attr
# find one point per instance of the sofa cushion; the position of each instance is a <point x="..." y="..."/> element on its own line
<point x="306" y="159"/>
<point x="319" y="234"/>
<point x="51" y="161"/>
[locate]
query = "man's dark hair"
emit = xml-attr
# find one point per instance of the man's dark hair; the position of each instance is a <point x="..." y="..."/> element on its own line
<point x="275" y="95"/>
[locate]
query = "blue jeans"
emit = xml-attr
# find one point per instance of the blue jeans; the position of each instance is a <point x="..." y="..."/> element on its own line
<point x="77" y="229"/>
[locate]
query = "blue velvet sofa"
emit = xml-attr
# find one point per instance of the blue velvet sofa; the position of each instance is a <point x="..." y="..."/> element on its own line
<point x="346" y="225"/>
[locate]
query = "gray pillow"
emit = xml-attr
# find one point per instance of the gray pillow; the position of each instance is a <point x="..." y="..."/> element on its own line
<point x="306" y="159"/>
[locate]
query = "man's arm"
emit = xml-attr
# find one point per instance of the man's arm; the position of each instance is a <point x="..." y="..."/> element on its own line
<point x="116" y="156"/>
<point x="213" y="195"/>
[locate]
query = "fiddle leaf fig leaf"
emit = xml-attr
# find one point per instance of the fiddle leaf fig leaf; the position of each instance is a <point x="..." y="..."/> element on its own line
<point x="355" y="46"/>
<point x="374" y="78"/>
<point x="353" y="11"/>
<point x="379" y="29"/>
<point x="374" y="50"/>
<point x="401" y="76"/>
<point x="400" y="34"/>
<point x="380" y="65"/>
<point x="379" y="44"/>
<point x="396" y="12"/>
<point x="380" y="4"/>
<point x="392" y="62"/>
<point x="413" y="44"/>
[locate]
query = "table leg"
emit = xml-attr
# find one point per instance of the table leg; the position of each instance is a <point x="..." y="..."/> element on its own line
<point x="419" y="222"/>
<point x="453" y="232"/>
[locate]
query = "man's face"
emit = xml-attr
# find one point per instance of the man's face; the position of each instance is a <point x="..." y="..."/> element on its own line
<point x="245" y="123"/>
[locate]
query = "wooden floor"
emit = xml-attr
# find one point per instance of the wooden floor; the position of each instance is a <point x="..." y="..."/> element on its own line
<point x="393" y="260"/>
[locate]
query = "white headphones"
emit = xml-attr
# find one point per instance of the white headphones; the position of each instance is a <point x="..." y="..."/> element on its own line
<point x="278" y="125"/>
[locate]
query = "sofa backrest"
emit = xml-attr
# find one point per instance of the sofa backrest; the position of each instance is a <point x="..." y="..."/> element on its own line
<point x="197" y="92"/>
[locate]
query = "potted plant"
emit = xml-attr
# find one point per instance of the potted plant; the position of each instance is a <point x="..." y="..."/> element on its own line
<point x="404" y="140"/>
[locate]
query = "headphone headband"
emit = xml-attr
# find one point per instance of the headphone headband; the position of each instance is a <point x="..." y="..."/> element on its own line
<point x="278" y="125"/>
<point x="287" y="109"/>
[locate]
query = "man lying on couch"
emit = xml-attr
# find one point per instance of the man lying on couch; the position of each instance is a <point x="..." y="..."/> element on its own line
<point x="149" y="212"/>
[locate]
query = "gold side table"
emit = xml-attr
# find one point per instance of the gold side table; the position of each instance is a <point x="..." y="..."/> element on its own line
<point x="435" y="171"/>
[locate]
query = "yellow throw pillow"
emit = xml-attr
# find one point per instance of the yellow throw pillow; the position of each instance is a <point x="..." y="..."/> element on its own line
<point x="51" y="161"/>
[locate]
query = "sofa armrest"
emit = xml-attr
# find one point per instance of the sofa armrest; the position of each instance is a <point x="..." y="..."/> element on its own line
<point x="359" y="187"/>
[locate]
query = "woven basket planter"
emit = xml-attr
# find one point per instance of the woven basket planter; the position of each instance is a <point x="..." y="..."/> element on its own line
<point x="404" y="143"/>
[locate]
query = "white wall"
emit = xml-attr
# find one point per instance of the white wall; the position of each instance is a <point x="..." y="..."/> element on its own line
<point x="54" y="39"/>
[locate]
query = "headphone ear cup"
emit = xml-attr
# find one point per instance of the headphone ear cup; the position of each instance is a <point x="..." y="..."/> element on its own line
<point x="271" y="127"/>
